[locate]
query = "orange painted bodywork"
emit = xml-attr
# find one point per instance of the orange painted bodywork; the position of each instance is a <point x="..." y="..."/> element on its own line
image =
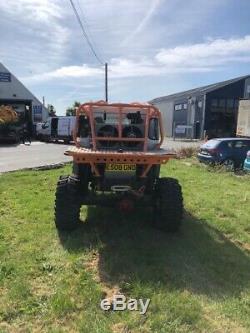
<point x="93" y="156"/>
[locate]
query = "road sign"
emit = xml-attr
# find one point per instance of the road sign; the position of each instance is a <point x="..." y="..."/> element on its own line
<point x="5" y="77"/>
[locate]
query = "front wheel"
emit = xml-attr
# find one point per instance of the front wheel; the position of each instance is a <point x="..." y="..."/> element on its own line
<point x="67" y="204"/>
<point x="168" y="204"/>
<point x="229" y="164"/>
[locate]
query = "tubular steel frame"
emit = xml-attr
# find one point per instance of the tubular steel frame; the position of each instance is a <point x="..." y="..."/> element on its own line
<point x="94" y="156"/>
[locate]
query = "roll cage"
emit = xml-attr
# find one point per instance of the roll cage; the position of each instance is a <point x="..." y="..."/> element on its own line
<point x="95" y="156"/>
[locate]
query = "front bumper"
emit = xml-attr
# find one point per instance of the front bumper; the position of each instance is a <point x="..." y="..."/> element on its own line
<point x="208" y="159"/>
<point x="94" y="157"/>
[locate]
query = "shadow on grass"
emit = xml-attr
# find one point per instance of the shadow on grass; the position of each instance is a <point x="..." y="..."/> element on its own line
<point x="199" y="258"/>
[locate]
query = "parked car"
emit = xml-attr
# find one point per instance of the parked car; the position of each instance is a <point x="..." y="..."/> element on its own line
<point x="247" y="162"/>
<point x="228" y="151"/>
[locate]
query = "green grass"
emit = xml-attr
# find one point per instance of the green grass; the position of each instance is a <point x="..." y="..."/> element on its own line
<point x="198" y="280"/>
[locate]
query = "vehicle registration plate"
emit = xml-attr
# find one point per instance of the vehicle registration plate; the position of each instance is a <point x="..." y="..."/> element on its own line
<point x="121" y="167"/>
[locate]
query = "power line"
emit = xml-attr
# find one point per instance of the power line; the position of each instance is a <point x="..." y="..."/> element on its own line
<point x="85" y="33"/>
<point x="91" y="45"/>
<point x="82" y="15"/>
<point x="87" y="29"/>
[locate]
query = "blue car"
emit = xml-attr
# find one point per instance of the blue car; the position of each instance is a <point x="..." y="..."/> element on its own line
<point x="228" y="151"/>
<point x="247" y="162"/>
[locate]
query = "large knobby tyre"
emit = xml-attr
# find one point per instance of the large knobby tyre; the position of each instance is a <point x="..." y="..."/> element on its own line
<point x="67" y="204"/>
<point x="168" y="205"/>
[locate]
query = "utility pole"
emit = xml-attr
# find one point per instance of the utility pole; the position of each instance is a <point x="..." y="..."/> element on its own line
<point x="106" y="82"/>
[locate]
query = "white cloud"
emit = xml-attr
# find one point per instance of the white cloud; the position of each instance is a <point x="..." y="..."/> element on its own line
<point x="209" y="54"/>
<point x="46" y="35"/>
<point x="153" y="7"/>
<point x="118" y="68"/>
<point x="65" y="72"/>
<point x="142" y="40"/>
<point x="202" y="57"/>
<point x="35" y="33"/>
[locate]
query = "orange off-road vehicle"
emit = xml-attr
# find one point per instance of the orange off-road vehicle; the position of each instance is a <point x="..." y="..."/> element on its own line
<point x="116" y="161"/>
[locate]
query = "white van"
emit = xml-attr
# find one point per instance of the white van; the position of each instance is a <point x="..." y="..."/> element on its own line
<point x="57" y="128"/>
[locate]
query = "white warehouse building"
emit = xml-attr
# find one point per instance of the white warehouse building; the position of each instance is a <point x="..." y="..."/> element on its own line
<point x="15" y="94"/>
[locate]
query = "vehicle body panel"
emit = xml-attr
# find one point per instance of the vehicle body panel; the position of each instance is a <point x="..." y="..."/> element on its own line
<point x="217" y="151"/>
<point x="57" y="128"/>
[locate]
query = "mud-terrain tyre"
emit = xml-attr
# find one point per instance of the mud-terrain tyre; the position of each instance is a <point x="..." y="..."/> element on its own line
<point x="67" y="203"/>
<point x="168" y="205"/>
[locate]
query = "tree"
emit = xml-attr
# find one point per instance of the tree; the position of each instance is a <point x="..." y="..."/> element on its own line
<point x="71" y="111"/>
<point x="52" y="110"/>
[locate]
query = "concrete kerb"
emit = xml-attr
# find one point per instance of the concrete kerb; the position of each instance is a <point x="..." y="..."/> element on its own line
<point x="41" y="167"/>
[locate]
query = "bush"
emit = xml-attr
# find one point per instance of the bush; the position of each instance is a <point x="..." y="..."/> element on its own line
<point x="187" y="152"/>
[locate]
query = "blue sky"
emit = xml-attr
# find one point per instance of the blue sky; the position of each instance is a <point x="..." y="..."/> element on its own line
<point x="153" y="47"/>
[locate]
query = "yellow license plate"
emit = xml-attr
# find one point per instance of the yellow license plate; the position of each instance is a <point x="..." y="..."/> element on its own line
<point x="121" y="167"/>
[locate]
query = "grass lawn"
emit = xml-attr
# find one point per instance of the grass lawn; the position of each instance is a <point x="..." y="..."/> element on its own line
<point x="198" y="280"/>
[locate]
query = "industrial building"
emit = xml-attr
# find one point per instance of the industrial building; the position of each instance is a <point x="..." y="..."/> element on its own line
<point x="206" y="111"/>
<point x="15" y="94"/>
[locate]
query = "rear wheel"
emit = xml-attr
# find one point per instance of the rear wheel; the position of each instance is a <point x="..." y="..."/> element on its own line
<point x="168" y="205"/>
<point x="67" y="203"/>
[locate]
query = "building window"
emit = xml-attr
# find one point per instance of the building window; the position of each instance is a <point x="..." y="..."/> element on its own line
<point x="222" y="103"/>
<point x="178" y="107"/>
<point x="230" y="103"/>
<point x="214" y="102"/>
<point x="240" y="144"/>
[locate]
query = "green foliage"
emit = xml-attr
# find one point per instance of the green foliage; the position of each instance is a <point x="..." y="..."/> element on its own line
<point x="187" y="152"/>
<point x="71" y="111"/>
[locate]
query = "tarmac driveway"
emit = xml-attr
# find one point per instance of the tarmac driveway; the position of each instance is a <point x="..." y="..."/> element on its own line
<point x="16" y="157"/>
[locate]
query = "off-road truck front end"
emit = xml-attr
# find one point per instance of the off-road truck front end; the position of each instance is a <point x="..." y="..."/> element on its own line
<point x="116" y="161"/>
